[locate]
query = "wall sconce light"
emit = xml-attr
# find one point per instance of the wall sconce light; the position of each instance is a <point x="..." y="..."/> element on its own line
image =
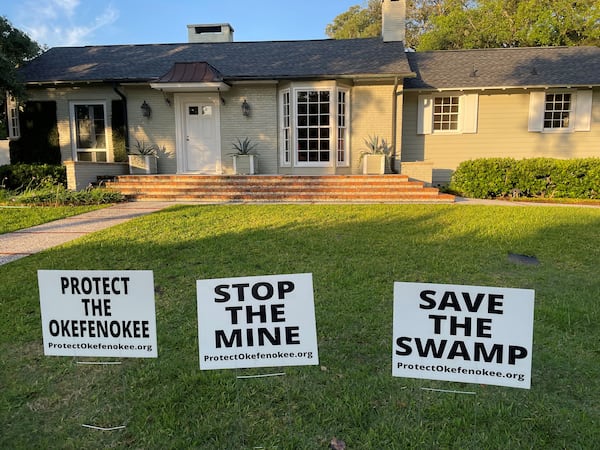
<point x="146" y="110"/>
<point x="245" y="108"/>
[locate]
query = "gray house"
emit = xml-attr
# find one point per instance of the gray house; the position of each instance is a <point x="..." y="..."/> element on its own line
<point x="309" y="106"/>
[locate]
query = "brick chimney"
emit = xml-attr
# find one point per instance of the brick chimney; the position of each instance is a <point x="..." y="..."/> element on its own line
<point x="394" y="17"/>
<point x="221" y="32"/>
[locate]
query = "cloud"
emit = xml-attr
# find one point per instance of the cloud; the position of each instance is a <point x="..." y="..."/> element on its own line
<point x="63" y="23"/>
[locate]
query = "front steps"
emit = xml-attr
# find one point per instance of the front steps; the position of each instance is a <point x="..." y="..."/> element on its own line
<point x="276" y="189"/>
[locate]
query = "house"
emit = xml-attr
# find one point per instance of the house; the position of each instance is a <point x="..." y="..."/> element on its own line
<point x="309" y="105"/>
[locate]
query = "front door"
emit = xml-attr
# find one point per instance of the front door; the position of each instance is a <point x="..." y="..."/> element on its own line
<point x="201" y="137"/>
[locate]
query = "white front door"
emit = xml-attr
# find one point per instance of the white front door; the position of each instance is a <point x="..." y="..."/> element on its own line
<point x="201" y="136"/>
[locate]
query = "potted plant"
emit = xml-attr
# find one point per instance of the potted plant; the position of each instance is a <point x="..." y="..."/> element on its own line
<point x="244" y="161"/>
<point x="374" y="157"/>
<point x="143" y="159"/>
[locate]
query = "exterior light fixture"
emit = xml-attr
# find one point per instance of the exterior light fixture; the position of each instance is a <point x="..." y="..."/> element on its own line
<point x="146" y="110"/>
<point x="245" y="108"/>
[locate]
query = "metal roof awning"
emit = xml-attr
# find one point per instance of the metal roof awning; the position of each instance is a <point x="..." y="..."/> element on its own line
<point x="191" y="77"/>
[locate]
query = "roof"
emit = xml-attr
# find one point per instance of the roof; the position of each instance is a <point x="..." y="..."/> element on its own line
<point x="233" y="60"/>
<point x="195" y="72"/>
<point x="505" y="67"/>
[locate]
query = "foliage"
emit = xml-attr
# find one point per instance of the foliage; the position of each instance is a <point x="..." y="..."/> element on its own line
<point x="141" y="148"/>
<point x="168" y="402"/>
<point x="18" y="177"/>
<point x="536" y="177"/>
<point x="462" y="24"/>
<point x="44" y="184"/>
<point x="357" y="22"/>
<point x="57" y="194"/>
<point x="376" y="146"/>
<point x="513" y="23"/>
<point x="244" y="147"/>
<point x="15" y="49"/>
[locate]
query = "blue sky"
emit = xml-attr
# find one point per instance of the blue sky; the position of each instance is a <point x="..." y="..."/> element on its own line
<point x="106" y="22"/>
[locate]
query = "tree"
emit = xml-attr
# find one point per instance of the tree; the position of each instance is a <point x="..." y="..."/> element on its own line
<point x="357" y="22"/>
<point x="15" y="49"/>
<point x="514" y="23"/>
<point x="459" y="24"/>
<point x="364" y="22"/>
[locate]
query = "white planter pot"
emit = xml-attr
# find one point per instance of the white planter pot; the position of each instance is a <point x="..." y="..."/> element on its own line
<point x="142" y="164"/>
<point x="373" y="164"/>
<point x="245" y="164"/>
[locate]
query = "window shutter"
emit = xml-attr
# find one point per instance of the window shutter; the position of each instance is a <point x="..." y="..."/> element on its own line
<point x="583" y="111"/>
<point x="536" y="111"/>
<point x="469" y="112"/>
<point x="425" y="115"/>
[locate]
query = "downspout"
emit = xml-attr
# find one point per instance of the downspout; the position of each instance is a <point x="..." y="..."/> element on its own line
<point x="394" y="126"/>
<point x="125" y="120"/>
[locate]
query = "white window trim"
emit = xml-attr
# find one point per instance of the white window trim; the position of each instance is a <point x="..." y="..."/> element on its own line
<point x="286" y="155"/>
<point x="333" y="88"/>
<point x="13" y="124"/>
<point x="580" y="118"/>
<point x="346" y="162"/>
<point x="74" y="148"/>
<point x="468" y="112"/>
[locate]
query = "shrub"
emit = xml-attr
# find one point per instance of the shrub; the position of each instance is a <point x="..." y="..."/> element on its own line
<point x="50" y="194"/>
<point x="18" y="177"/>
<point x="536" y="177"/>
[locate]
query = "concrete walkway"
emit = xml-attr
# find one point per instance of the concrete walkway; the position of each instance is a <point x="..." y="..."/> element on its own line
<point x="35" y="239"/>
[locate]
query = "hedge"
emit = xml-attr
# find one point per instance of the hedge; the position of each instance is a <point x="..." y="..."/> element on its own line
<point x="536" y="177"/>
<point x="19" y="177"/>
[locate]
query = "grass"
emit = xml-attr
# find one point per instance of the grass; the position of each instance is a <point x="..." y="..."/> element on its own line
<point x="13" y="218"/>
<point x="355" y="253"/>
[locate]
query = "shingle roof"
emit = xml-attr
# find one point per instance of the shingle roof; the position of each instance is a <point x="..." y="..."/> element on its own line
<point x="505" y="67"/>
<point x="234" y="60"/>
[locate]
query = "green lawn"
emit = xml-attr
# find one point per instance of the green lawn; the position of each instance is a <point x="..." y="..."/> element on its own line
<point x="355" y="253"/>
<point x="13" y="218"/>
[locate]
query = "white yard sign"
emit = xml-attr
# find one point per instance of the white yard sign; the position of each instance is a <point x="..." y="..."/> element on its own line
<point x="469" y="334"/>
<point x="98" y="313"/>
<point x="262" y="321"/>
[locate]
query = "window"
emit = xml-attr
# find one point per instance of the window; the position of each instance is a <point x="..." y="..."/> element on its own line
<point x="564" y="111"/>
<point x="88" y="123"/>
<point x="445" y="113"/>
<point x="314" y="126"/>
<point x="448" y="113"/>
<point x="557" y="111"/>
<point x="12" y="122"/>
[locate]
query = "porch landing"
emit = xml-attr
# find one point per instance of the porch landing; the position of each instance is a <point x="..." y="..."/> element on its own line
<point x="277" y="188"/>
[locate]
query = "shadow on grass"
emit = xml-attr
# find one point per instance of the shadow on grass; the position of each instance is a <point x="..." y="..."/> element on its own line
<point x="355" y="253"/>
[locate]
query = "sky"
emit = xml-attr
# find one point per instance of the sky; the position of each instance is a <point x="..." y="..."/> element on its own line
<point x="55" y="23"/>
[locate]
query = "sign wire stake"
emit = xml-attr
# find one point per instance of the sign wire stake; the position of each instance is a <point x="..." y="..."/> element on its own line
<point x="99" y="363"/>
<point x="448" y="391"/>
<point x="264" y="375"/>
<point x="94" y="427"/>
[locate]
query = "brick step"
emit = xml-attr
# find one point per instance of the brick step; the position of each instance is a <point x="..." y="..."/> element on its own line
<point x="442" y="198"/>
<point x="257" y="189"/>
<point x="275" y="188"/>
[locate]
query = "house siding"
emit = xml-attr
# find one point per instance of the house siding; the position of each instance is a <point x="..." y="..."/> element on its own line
<point x="260" y="126"/>
<point x="158" y="129"/>
<point x="502" y="131"/>
<point x="371" y="116"/>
